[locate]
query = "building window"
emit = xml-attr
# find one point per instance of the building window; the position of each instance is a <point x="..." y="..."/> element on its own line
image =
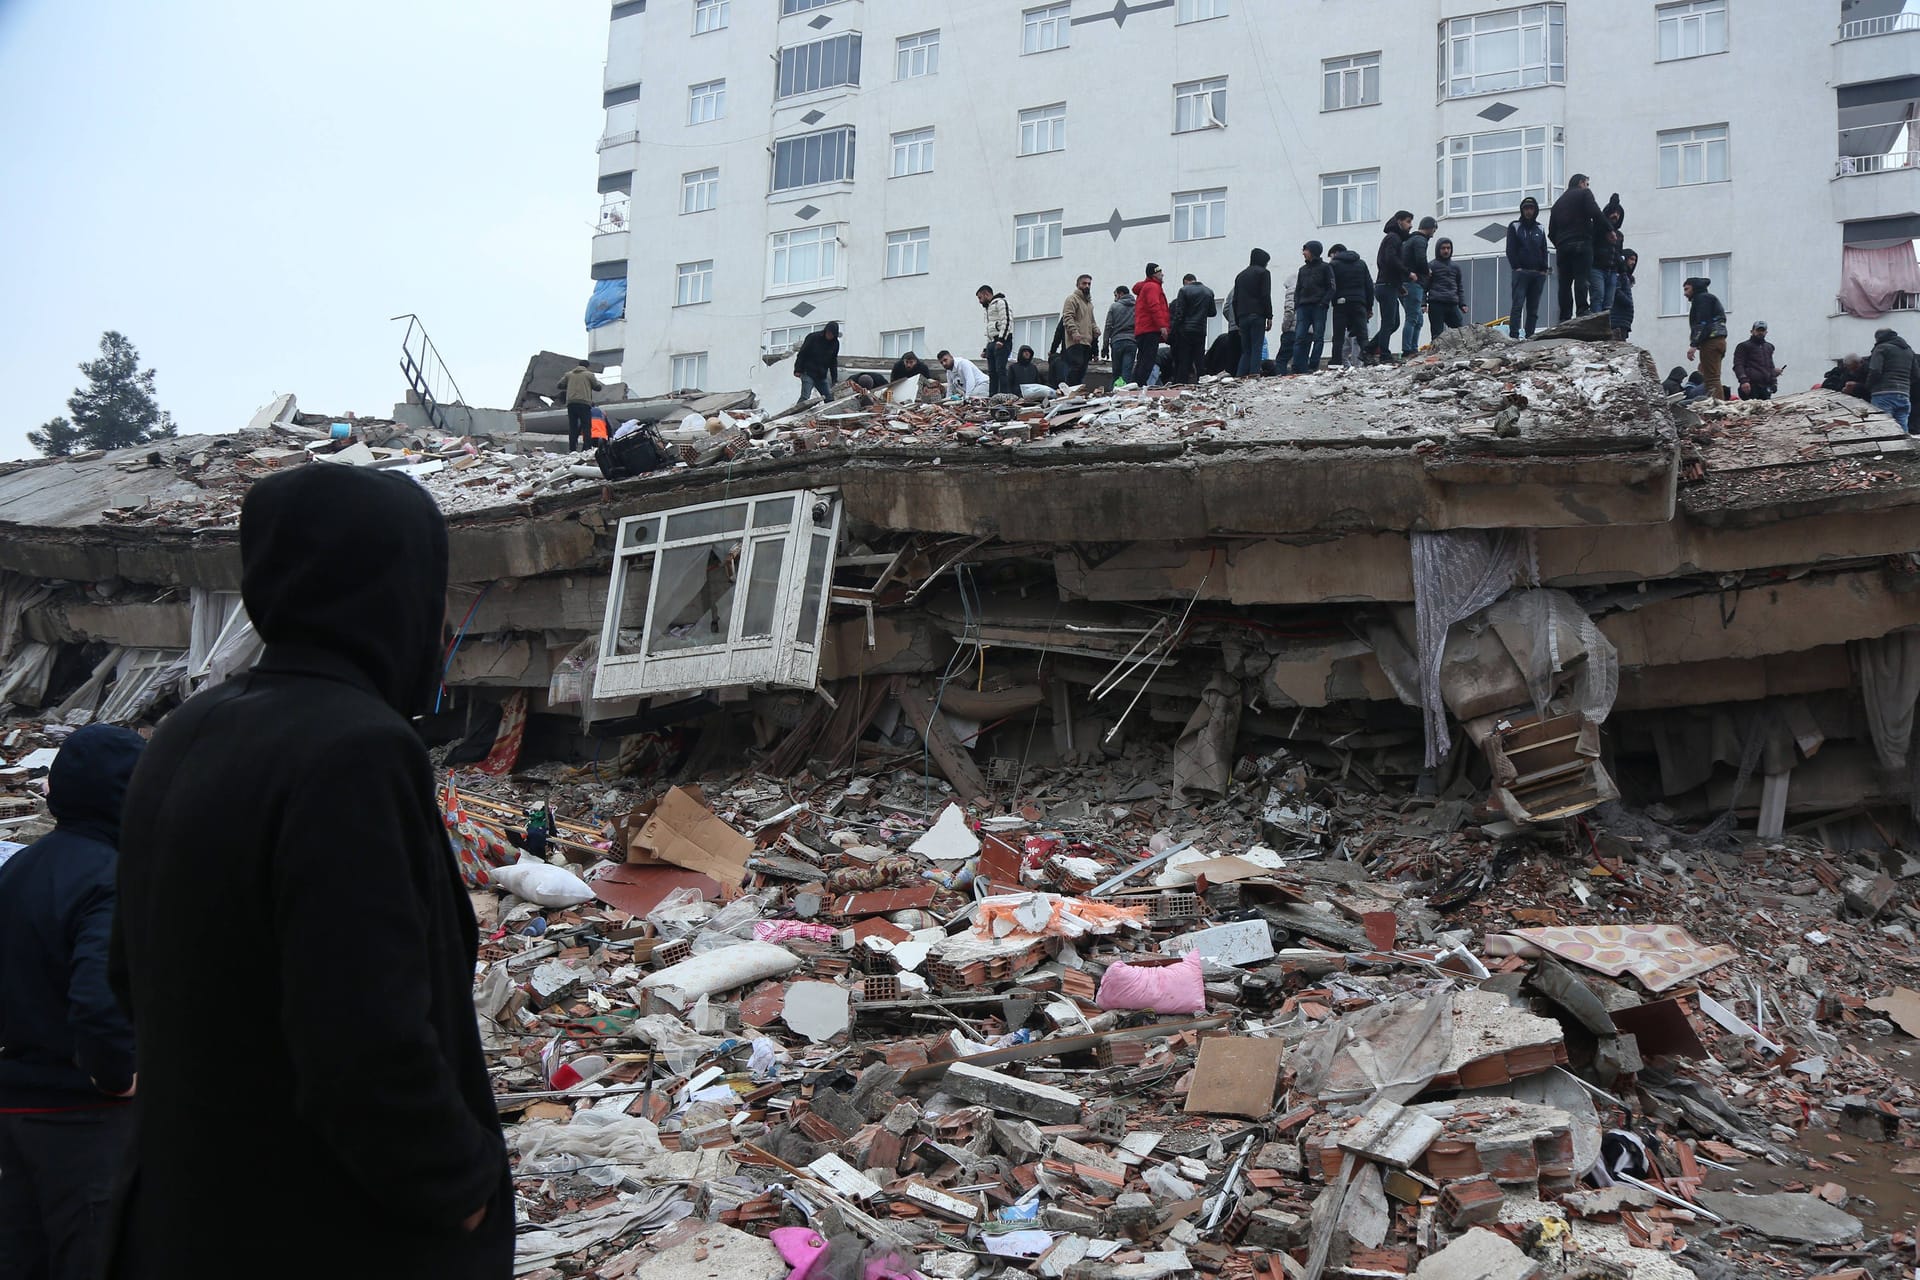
<point x="787" y="337"/>
<point x="1493" y="172"/>
<point x="1035" y="332"/>
<point x="711" y="15"/>
<point x="1350" y="82"/>
<point x="1690" y="156"/>
<point x="917" y="55"/>
<point x="1676" y="271"/>
<point x="699" y="190"/>
<point x="1043" y="129"/>
<point x="1691" y="30"/>
<point x="912" y="152"/>
<point x="895" y="343"/>
<point x="706" y="101"/>
<point x="1349" y="197"/>
<point x="1045" y="28"/>
<point x="693" y="283"/>
<point x="801" y="6"/>
<point x="722" y="594"/>
<point x="808" y="258"/>
<point x="907" y="252"/>
<point x="1511" y="49"/>
<point x="813" y="158"/>
<point x="1199" y="10"/>
<point x="690" y="371"/>
<point x="1200" y="215"/>
<point x="1037" y="235"/>
<point x="1200" y="104"/>
<point x="819" y="64"/>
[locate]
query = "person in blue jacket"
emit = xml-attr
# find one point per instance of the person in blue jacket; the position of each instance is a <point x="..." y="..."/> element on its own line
<point x="66" y="1048"/>
<point x="1527" y="257"/>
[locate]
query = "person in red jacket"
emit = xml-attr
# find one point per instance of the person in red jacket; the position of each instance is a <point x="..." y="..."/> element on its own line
<point x="1151" y="323"/>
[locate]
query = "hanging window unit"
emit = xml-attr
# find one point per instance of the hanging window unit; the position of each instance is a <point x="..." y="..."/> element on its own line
<point x="721" y="594"/>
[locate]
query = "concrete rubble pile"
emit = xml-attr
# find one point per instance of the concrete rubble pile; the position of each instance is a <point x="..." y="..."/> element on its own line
<point x="1449" y="820"/>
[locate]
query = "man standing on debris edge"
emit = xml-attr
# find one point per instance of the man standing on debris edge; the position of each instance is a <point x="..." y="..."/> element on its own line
<point x="66" y="1050"/>
<point x="284" y="860"/>
<point x="578" y="385"/>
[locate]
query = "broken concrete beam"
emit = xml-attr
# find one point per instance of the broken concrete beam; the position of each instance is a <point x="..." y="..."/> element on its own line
<point x="1276" y="1229"/>
<point x="1479" y="1255"/>
<point x="1616" y="1056"/>
<point x="1565" y="988"/>
<point x="1056" y="1217"/>
<point x="1783" y="1215"/>
<point x="990" y="1088"/>
<point x="1390" y="1134"/>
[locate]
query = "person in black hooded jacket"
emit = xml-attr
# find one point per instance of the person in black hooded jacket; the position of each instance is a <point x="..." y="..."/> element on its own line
<point x="1352" y="300"/>
<point x="283" y="842"/>
<point x="1446" y="290"/>
<point x="1390" y="280"/>
<point x="66" y="1049"/>
<point x="1573" y="224"/>
<point x="1252" y="302"/>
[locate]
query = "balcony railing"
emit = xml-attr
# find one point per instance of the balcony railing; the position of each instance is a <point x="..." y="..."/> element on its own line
<point x="1849" y="166"/>
<point x="1862" y="28"/>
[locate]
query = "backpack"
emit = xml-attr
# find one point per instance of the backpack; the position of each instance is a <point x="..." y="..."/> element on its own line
<point x="633" y="454"/>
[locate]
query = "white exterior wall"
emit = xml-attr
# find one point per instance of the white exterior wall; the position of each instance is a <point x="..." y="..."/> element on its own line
<point x="1778" y="217"/>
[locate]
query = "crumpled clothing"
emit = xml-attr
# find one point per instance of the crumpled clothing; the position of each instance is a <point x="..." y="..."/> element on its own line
<point x="877" y="874"/>
<point x="1047" y="915"/>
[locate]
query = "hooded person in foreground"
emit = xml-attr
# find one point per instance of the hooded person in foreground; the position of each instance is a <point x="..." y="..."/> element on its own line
<point x="294" y="941"/>
<point x="66" y="1050"/>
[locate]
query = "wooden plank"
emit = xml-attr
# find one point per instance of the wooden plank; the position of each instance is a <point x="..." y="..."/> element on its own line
<point x="954" y="762"/>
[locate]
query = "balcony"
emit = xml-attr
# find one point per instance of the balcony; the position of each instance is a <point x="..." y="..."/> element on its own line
<point x="610" y="247"/>
<point x="608" y="343"/>
<point x="1874" y="49"/>
<point x="1877" y="186"/>
<point x="619" y="157"/>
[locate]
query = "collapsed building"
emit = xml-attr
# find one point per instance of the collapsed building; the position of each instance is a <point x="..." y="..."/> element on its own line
<point x="1517" y="570"/>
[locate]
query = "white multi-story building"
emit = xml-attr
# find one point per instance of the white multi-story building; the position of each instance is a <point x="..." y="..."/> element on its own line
<point x="769" y="165"/>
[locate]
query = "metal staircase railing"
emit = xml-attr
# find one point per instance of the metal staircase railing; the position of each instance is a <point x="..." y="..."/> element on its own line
<point x="427" y="374"/>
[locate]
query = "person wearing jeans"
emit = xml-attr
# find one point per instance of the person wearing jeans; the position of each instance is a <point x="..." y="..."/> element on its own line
<point x="1527" y="259"/>
<point x="1312" y="292"/>
<point x="999" y="334"/>
<point x="1573" y="225"/>
<point x="1419" y="273"/>
<point x="1252" y="304"/>
<point x="1890" y="374"/>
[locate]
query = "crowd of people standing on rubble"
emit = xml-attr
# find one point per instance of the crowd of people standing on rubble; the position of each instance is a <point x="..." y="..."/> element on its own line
<point x="1337" y="309"/>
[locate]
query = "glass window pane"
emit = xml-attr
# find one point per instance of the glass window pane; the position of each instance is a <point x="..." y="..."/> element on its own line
<point x="1669" y="40"/>
<point x="772" y="511"/>
<point x="639" y="533"/>
<point x="694" y="605"/>
<point x="1669" y="166"/>
<point x="632" y="585"/>
<point x="708" y="522"/>
<point x="819" y="568"/>
<point x="1716" y="162"/>
<point x="763" y="585"/>
<point x="1690" y="164"/>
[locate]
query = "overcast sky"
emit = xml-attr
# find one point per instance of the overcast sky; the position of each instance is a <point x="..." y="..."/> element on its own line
<point x="248" y="189"/>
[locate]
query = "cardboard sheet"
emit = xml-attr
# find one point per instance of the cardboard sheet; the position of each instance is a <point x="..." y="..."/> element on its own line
<point x="686" y="833"/>
<point x="1235" y="1076"/>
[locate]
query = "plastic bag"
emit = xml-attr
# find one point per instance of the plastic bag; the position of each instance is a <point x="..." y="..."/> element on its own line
<point x="542" y="883"/>
<point x="732" y="923"/>
<point x="1166" y="988"/>
<point x="680" y="914"/>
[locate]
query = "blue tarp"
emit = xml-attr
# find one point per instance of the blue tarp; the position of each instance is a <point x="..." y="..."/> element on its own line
<point x="608" y="303"/>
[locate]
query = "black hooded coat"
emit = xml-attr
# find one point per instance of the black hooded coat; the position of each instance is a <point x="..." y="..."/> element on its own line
<point x="294" y="940"/>
<point x="67" y="1044"/>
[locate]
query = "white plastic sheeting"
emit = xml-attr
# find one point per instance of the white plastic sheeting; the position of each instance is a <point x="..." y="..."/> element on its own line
<point x="1456" y="573"/>
<point x="1563" y="647"/>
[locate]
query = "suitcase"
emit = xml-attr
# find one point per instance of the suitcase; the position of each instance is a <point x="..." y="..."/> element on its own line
<point x="634" y="454"/>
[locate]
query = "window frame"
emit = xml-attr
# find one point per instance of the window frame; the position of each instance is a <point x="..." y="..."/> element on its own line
<point x="708" y="7"/>
<point x="693" y="183"/>
<point x="918" y="241"/>
<point x="910" y="145"/>
<point x="699" y="384"/>
<point x="788" y="8"/>
<point x="799" y="141"/>
<point x="1552" y="146"/>
<point x="1207" y="98"/>
<point x="776" y="341"/>
<point x="1682" y="15"/>
<point x="786" y="656"/>
<point x="1352" y="64"/>
<point x="927" y="48"/>
<point x="693" y="278"/>
<point x="1032" y="122"/>
<point x="915" y="339"/>
<point x="1044" y="325"/>
<point x="814" y="56"/>
<point x="1211" y="199"/>
<point x="1671" y="140"/>
<point x="827" y="236"/>
<point x="1717" y="267"/>
<point x="1187" y="12"/>
<point x="1056" y="19"/>
<point x="1553" y="20"/>
<point x="1039" y="221"/>
<point x="712" y="91"/>
<point x="1336" y="188"/>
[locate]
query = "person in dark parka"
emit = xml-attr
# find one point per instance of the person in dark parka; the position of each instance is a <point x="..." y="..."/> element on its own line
<point x="294" y="941"/>
<point x="66" y="1049"/>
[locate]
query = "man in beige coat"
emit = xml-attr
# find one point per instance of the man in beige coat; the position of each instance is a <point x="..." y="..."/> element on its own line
<point x="1083" y="333"/>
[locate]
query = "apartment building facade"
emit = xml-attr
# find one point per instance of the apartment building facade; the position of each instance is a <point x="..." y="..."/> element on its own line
<point x="769" y="165"/>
